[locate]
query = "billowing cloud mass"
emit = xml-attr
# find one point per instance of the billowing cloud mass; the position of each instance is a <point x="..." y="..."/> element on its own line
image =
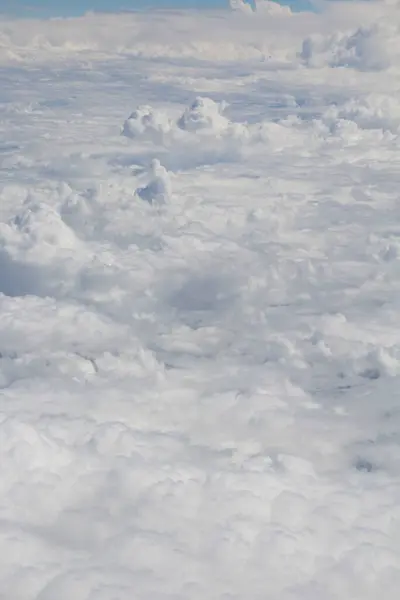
<point x="199" y="304"/>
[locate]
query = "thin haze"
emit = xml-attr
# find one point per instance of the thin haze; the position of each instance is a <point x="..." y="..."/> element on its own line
<point x="49" y="8"/>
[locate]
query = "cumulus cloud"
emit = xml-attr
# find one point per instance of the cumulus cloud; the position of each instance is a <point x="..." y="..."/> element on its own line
<point x="261" y="7"/>
<point x="204" y="115"/>
<point x="374" y="111"/>
<point x="203" y="133"/>
<point x="146" y="121"/>
<point x="158" y="189"/>
<point x="367" y="48"/>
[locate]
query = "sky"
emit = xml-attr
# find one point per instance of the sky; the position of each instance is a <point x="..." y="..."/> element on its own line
<point x="57" y="8"/>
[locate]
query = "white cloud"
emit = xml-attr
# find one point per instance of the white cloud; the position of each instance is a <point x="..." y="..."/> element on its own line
<point x="199" y="341"/>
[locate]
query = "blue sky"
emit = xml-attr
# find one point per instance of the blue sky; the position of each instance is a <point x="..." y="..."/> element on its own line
<point x="46" y="8"/>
